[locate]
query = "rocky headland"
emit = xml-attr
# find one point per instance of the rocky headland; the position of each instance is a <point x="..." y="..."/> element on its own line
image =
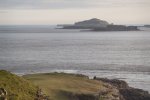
<point x="62" y="86"/>
<point x="126" y="92"/>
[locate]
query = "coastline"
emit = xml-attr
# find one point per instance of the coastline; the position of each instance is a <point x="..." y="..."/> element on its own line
<point x="75" y="87"/>
<point x="136" y="79"/>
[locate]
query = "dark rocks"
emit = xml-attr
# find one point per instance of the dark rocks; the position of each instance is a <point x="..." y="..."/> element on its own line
<point x="134" y="94"/>
<point x="117" y="83"/>
<point x="126" y="92"/>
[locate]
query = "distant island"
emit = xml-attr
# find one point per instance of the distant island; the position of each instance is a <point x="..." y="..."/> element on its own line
<point x="95" y="24"/>
<point x="147" y="26"/>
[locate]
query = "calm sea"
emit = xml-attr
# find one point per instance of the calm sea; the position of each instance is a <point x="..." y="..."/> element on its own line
<point x="121" y="55"/>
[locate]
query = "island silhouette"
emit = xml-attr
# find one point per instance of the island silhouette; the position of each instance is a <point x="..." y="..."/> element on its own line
<point x="98" y="25"/>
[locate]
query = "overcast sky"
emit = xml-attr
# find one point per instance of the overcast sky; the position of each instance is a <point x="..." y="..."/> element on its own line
<point x="69" y="11"/>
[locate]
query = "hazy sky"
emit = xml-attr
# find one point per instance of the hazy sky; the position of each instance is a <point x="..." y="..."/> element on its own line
<point x="69" y="11"/>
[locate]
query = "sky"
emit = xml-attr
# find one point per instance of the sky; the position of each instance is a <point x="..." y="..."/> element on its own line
<point x="50" y="12"/>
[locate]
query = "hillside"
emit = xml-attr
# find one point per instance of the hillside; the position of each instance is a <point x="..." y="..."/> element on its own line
<point x="17" y="88"/>
<point x="62" y="86"/>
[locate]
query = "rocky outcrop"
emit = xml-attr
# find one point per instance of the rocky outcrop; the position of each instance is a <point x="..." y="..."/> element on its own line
<point x="3" y="94"/>
<point x="126" y="92"/>
<point x="134" y="94"/>
<point x="117" y="83"/>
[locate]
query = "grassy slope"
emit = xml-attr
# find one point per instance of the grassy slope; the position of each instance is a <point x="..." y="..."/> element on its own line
<point x="17" y="87"/>
<point x="59" y="85"/>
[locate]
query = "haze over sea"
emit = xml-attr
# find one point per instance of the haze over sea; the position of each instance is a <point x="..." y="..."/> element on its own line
<point x="121" y="55"/>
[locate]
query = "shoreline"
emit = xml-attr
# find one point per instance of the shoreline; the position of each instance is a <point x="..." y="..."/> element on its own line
<point x="57" y="86"/>
<point x="136" y="80"/>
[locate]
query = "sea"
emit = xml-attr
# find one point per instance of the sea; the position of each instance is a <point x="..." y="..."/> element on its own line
<point x="123" y="55"/>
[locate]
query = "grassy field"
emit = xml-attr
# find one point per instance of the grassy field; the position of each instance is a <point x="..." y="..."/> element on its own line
<point x="17" y="87"/>
<point x="57" y="86"/>
<point x="61" y="86"/>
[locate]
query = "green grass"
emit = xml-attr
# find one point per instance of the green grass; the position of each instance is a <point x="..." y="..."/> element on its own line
<point x="17" y="87"/>
<point x="58" y="86"/>
<point x="61" y="86"/>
